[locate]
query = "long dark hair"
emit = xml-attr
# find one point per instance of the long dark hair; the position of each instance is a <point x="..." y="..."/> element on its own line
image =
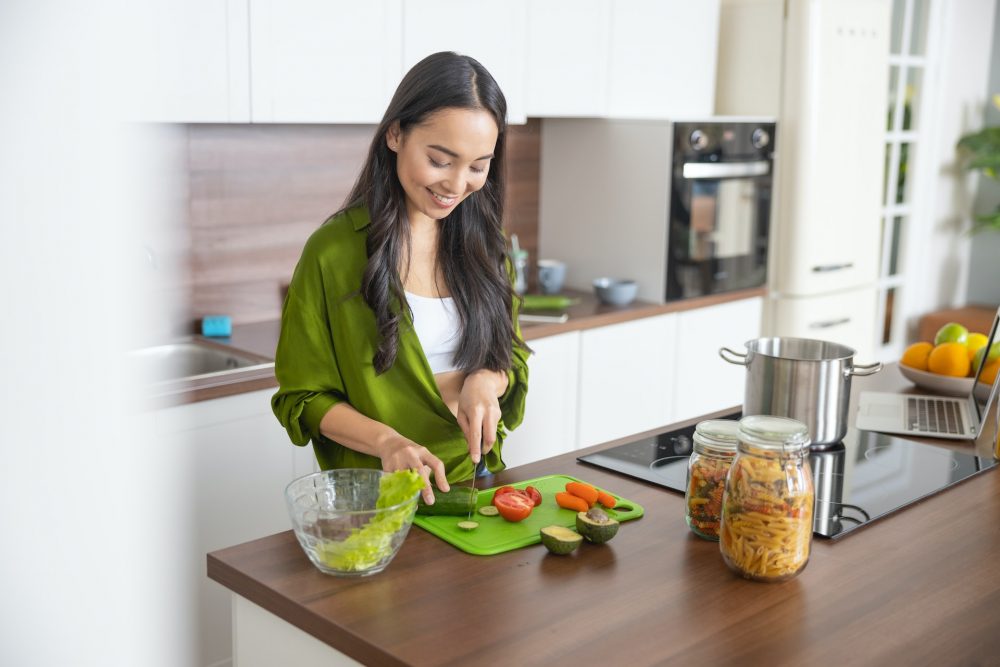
<point x="472" y="251"/>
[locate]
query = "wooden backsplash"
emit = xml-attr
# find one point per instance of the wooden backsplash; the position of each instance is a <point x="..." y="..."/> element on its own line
<point x="256" y="192"/>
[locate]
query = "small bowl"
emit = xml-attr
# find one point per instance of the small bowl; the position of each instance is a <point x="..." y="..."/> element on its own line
<point x="615" y="292"/>
<point x="339" y="527"/>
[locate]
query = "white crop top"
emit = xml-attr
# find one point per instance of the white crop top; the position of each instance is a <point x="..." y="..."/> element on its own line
<point x="438" y="326"/>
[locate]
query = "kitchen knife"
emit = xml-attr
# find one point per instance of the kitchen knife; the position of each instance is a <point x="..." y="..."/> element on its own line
<point x="476" y="469"/>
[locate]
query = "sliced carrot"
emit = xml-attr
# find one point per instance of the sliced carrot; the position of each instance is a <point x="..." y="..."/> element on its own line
<point x="570" y="502"/>
<point x="606" y="499"/>
<point x="581" y="490"/>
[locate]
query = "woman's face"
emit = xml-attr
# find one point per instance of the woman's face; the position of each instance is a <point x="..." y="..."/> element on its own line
<point x="443" y="160"/>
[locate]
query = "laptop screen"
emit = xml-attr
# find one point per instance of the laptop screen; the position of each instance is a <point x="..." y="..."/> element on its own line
<point x="983" y="407"/>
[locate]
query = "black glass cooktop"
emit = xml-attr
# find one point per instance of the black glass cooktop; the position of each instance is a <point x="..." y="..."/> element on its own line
<point x="863" y="478"/>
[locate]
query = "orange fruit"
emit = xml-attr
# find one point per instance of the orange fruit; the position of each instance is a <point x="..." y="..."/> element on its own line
<point x="916" y="355"/>
<point x="949" y="359"/>
<point x="990" y="372"/>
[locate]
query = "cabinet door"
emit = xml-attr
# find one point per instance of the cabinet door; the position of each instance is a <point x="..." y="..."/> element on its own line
<point x="846" y="317"/>
<point x="492" y="33"/>
<point x="626" y="378"/>
<point x="567" y="63"/>
<point x="549" y="426"/>
<point x="703" y="382"/>
<point x="187" y="61"/>
<point x="663" y="55"/>
<point x="748" y="77"/>
<point x="324" y="61"/>
<point x="237" y="460"/>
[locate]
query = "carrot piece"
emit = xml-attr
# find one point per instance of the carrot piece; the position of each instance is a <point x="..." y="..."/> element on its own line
<point x="570" y="502"/>
<point x="581" y="490"/>
<point x="606" y="499"/>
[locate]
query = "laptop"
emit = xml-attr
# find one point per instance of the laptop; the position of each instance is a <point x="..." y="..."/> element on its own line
<point x="957" y="418"/>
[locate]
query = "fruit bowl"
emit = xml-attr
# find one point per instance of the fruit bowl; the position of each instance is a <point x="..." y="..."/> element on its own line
<point x="945" y="385"/>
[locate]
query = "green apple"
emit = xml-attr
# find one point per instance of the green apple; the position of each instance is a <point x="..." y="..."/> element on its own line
<point x="953" y="332"/>
<point x="977" y="359"/>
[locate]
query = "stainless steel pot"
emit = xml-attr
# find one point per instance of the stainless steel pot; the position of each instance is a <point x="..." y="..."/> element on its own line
<point x="801" y="378"/>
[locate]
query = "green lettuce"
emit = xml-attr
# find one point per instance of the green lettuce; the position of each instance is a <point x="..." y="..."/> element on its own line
<point x="365" y="547"/>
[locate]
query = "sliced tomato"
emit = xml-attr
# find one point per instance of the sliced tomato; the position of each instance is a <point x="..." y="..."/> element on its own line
<point x="508" y="490"/>
<point x="513" y="506"/>
<point x="534" y="494"/>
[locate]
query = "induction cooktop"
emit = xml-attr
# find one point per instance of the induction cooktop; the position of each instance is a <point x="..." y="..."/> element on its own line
<point x="859" y="480"/>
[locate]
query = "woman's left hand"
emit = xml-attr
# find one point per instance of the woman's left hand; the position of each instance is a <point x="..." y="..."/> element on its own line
<point x="479" y="410"/>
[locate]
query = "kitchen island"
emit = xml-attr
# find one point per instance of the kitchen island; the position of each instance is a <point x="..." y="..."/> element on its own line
<point x="921" y="586"/>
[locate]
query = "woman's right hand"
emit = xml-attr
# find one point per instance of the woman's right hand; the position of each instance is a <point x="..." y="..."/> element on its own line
<point x="399" y="453"/>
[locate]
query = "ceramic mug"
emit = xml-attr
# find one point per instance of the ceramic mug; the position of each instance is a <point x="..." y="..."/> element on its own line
<point x="551" y="275"/>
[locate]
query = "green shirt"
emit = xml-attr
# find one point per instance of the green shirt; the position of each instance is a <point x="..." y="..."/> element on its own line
<point x="324" y="356"/>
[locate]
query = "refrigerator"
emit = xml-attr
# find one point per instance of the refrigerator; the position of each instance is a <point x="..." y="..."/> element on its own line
<point x="826" y="225"/>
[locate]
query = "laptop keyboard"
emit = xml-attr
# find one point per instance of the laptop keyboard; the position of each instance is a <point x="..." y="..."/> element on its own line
<point x="932" y="415"/>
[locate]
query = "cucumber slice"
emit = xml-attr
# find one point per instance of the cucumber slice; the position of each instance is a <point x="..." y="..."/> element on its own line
<point x="489" y="510"/>
<point x="467" y="525"/>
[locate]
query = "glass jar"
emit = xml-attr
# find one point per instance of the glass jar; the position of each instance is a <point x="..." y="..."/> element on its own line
<point x="714" y="448"/>
<point x="767" y="507"/>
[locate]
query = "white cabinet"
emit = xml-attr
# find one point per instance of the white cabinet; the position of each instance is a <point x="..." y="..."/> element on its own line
<point x="324" y="61"/>
<point x="550" y="414"/>
<point x="492" y="33"/>
<point x="236" y="459"/>
<point x="663" y="56"/>
<point x="186" y="61"/>
<point x="845" y="317"/>
<point x="626" y="378"/>
<point x="703" y="382"/>
<point x="748" y="73"/>
<point x="568" y="50"/>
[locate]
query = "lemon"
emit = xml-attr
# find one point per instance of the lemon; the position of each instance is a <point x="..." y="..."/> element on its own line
<point x="974" y="342"/>
<point x="949" y="359"/>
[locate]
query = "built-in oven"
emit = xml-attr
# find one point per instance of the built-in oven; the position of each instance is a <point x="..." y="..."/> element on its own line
<point x="720" y="205"/>
<point x="681" y="207"/>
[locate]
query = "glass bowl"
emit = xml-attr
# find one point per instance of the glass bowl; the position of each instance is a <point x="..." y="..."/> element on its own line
<point x="339" y="525"/>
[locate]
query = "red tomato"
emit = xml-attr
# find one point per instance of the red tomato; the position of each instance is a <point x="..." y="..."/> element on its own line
<point x="534" y="495"/>
<point x="513" y="506"/>
<point x="509" y="490"/>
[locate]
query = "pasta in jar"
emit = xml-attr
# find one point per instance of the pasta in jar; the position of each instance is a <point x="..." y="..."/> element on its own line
<point x="714" y="448"/>
<point x="767" y="510"/>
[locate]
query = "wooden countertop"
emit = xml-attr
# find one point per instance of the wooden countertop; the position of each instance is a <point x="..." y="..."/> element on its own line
<point x="921" y="586"/>
<point x="261" y="338"/>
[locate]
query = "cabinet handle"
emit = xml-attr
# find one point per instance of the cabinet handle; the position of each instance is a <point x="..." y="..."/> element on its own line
<point x="827" y="268"/>
<point x="696" y="170"/>
<point x="829" y="323"/>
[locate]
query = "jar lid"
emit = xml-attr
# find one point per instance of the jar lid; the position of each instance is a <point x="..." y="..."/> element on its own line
<point x="774" y="432"/>
<point x="721" y="435"/>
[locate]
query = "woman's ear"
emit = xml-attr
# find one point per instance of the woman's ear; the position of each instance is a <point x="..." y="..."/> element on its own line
<point x="392" y="136"/>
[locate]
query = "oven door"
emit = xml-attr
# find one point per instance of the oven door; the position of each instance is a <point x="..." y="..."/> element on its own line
<point x="719" y="215"/>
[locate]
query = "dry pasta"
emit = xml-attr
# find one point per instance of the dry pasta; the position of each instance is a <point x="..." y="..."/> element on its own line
<point x="767" y="516"/>
<point x="706" y="483"/>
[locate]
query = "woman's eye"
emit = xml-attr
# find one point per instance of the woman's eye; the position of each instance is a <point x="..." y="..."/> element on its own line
<point x="435" y="163"/>
<point x="477" y="170"/>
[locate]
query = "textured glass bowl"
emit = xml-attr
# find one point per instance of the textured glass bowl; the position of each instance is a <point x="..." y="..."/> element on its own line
<point x="337" y="524"/>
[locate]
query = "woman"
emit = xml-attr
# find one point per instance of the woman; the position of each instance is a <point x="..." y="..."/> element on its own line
<point x="399" y="341"/>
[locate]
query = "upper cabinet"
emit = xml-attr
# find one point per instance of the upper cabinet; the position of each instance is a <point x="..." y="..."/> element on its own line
<point x="324" y="61"/>
<point x="662" y="58"/>
<point x="334" y="61"/>
<point x="492" y="33"/>
<point x="187" y="61"/>
<point x="568" y="49"/>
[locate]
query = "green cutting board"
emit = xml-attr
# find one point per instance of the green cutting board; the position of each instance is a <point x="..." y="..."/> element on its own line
<point x="496" y="535"/>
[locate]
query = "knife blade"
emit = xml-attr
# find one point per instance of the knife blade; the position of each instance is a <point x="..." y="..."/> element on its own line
<point x="475" y="475"/>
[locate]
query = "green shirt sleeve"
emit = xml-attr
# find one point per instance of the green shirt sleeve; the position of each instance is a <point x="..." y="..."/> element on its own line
<point x="513" y="399"/>
<point x="307" y="370"/>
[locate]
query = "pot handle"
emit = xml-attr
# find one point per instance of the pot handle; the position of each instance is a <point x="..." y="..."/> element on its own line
<point x="866" y="369"/>
<point x="741" y="358"/>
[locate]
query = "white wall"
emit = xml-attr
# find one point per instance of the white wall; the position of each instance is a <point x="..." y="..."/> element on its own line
<point x="941" y="252"/>
<point x="984" y="263"/>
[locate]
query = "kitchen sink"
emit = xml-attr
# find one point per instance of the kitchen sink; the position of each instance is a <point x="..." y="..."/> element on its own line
<point x="192" y="359"/>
